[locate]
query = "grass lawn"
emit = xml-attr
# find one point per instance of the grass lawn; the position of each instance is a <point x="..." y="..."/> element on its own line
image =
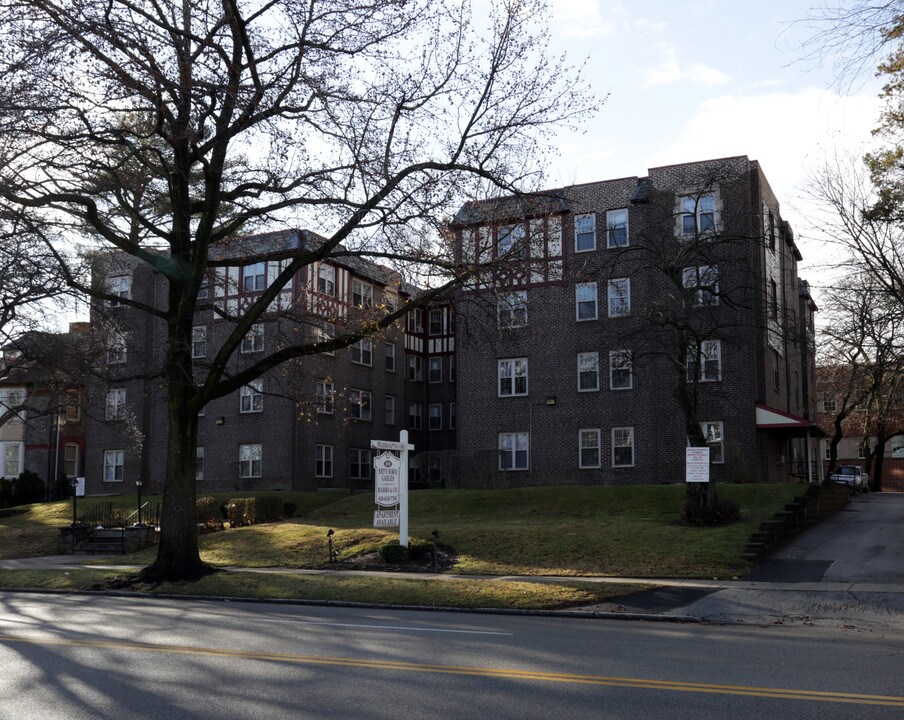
<point x="450" y="593"/>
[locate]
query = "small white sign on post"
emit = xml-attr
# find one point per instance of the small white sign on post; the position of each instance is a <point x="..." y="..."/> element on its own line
<point x="80" y="487"/>
<point x="391" y="481"/>
<point x="387" y="480"/>
<point x="386" y="518"/>
<point x="696" y="465"/>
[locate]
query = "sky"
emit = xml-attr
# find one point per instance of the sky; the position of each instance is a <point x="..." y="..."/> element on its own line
<point x="697" y="80"/>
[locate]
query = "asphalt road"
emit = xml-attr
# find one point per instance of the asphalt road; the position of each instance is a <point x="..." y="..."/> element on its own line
<point x="73" y="657"/>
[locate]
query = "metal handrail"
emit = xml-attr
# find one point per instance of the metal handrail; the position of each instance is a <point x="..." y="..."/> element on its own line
<point x="99" y="514"/>
<point x="150" y="514"/>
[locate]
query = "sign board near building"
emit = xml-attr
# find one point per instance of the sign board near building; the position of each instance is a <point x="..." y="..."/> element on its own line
<point x="386" y="518"/>
<point x="387" y="480"/>
<point x="80" y="487"/>
<point x="696" y="464"/>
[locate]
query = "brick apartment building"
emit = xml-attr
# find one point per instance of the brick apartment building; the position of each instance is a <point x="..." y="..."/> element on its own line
<point x="560" y="365"/>
<point x="576" y="380"/>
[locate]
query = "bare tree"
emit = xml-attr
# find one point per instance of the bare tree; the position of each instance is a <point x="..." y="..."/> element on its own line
<point x="167" y="130"/>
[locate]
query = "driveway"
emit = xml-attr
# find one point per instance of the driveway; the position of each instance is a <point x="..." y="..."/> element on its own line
<point x="848" y="570"/>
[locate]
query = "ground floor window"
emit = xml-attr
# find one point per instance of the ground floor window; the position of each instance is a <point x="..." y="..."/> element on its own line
<point x="623" y="447"/>
<point x="513" y="451"/>
<point x="589" y="448"/>
<point x="323" y="463"/>
<point x="70" y="460"/>
<point x="250" y="457"/>
<point x="712" y="431"/>
<point x="113" y="465"/>
<point x="359" y="464"/>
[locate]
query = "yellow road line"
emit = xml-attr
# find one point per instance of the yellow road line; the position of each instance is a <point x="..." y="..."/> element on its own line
<point x="647" y="684"/>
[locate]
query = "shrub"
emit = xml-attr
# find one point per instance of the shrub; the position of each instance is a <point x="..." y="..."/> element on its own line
<point x="268" y="508"/>
<point x="289" y="509"/>
<point x="722" y="512"/>
<point x="28" y="488"/>
<point x="241" y="512"/>
<point x="208" y="513"/>
<point x="420" y="549"/>
<point x="394" y="552"/>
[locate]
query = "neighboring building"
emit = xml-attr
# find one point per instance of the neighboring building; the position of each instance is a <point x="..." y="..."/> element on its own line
<point x="42" y="426"/>
<point x="307" y="424"/>
<point x="575" y="385"/>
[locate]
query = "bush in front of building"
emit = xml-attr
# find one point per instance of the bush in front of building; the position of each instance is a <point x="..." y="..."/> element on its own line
<point x="208" y="514"/>
<point x="722" y="512"/>
<point x="25" y="489"/>
<point x="253" y="510"/>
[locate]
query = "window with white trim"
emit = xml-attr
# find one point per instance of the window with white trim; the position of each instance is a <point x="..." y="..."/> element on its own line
<point x="415" y="368"/>
<point x="589" y="448"/>
<point x="511" y="309"/>
<point x="359" y="464"/>
<point x="621" y="374"/>
<point x="71" y="453"/>
<point x="703" y="281"/>
<point x="13" y="454"/>
<point x="712" y="432"/>
<point x="199" y="341"/>
<point x="416" y="320"/>
<point x="512" y="377"/>
<point x="359" y="404"/>
<point x="827" y="452"/>
<point x="362" y="293"/>
<point x="435" y="369"/>
<point x="199" y="463"/>
<point x="435" y="321"/>
<point x="115" y="404"/>
<point x="588" y="371"/>
<point x="514" y="451"/>
<point x="323" y="461"/>
<point x="698" y="214"/>
<point x="389" y="355"/>
<point x="512" y="240"/>
<point x="363" y="352"/>
<point x="623" y="447"/>
<point x="13" y="399"/>
<point x="116" y="348"/>
<point x="250" y="460"/>
<point x="324" y="396"/>
<point x="251" y="397"/>
<point x="323" y="334"/>
<point x="120" y="286"/>
<point x="113" y="465"/>
<point x="389" y="410"/>
<point x="390" y="300"/>
<point x="705" y="365"/>
<point x="415" y="415"/>
<point x="254" y="277"/>
<point x="254" y="340"/>
<point x="619" y="297"/>
<point x="435" y="416"/>
<point x="585" y="298"/>
<point x="326" y="280"/>
<point x="204" y="288"/>
<point x="828" y="403"/>
<point x="617" y="228"/>
<point x="585" y="232"/>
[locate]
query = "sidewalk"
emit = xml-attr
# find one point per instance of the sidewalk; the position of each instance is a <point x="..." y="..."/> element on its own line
<point x="855" y="605"/>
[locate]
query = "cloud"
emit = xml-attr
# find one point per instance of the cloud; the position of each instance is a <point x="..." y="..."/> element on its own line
<point x="584" y="18"/>
<point x="670" y="71"/>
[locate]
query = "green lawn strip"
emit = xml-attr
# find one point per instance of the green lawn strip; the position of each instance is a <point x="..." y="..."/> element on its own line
<point x="378" y="590"/>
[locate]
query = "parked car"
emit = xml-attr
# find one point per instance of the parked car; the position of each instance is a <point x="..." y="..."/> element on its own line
<point x="853" y="476"/>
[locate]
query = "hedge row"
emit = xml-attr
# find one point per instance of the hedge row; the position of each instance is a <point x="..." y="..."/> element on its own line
<point x="242" y="511"/>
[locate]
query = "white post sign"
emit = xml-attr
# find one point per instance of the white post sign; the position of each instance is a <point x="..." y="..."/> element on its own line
<point x="391" y="484"/>
<point x="80" y="487"/>
<point x="696" y="465"/>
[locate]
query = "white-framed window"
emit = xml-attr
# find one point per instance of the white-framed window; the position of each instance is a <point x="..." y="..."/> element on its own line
<point x="827" y="452"/>
<point x="204" y="288"/>
<point x="712" y="431"/>
<point x="199" y="341"/>
<point x="435" y="369"/>
<point x="251" y="397"/>
<point x="324" y="396"/>
<point x="512" y="377"/>
<point x="619" y="297"/>
<point x="588" y="371"/>
<point x="862" y="448"/>
<point x="703" y="281"/>
<point x="829" y="404"/>
<point x="323" y="461"/>
<point x="363" y="352"/>
<point x="452" y="412"/>
<point x="359" y="464"/>
<point x="435" y="416"/>
<point x="415" y="415"/>
<point x="585" y="232"/>
<point x="362" y="293"/>
<point x="250" y="459"/>
<point x="511" y="309"/>
<point x="254" y="277"/>
<point x="623" y="447"/>
<point x="359" y="405"/>
<point x="514" y="451"/>
<point x="72" y="411"/>
<point x="436" y="321"/>
<point x="254" y="341"/>
<point x="389" y="355"/>
<point x="698" y="214"/>
<point x="116" y="348"/>
<point x="12" y="454"/>
<point x="389" y="410"/>
<point x="120" y="286"/>
<point x="589" y="448"/>
<point x="199" y="463"/>
<point x="512" y="240"/>
<point x="617" y="228"/>
<point x="322" y="334"/>
<point x="415" y="368"/>
<point x="585" y="299"/>
<point x="621" y="373"/>
<point x="116" y="404"/>
<point x="707" y="365"/>
<point x="71" y="453"/>
<point x="326" y="280"/>
<point x="13" y="399"/>
<point x="416" y="320"/>
<point x="390" y="300"/>
<point x="113" y="465"/>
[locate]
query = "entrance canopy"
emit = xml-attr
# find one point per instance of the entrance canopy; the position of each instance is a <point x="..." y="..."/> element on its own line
<point x="768" y="418"/>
